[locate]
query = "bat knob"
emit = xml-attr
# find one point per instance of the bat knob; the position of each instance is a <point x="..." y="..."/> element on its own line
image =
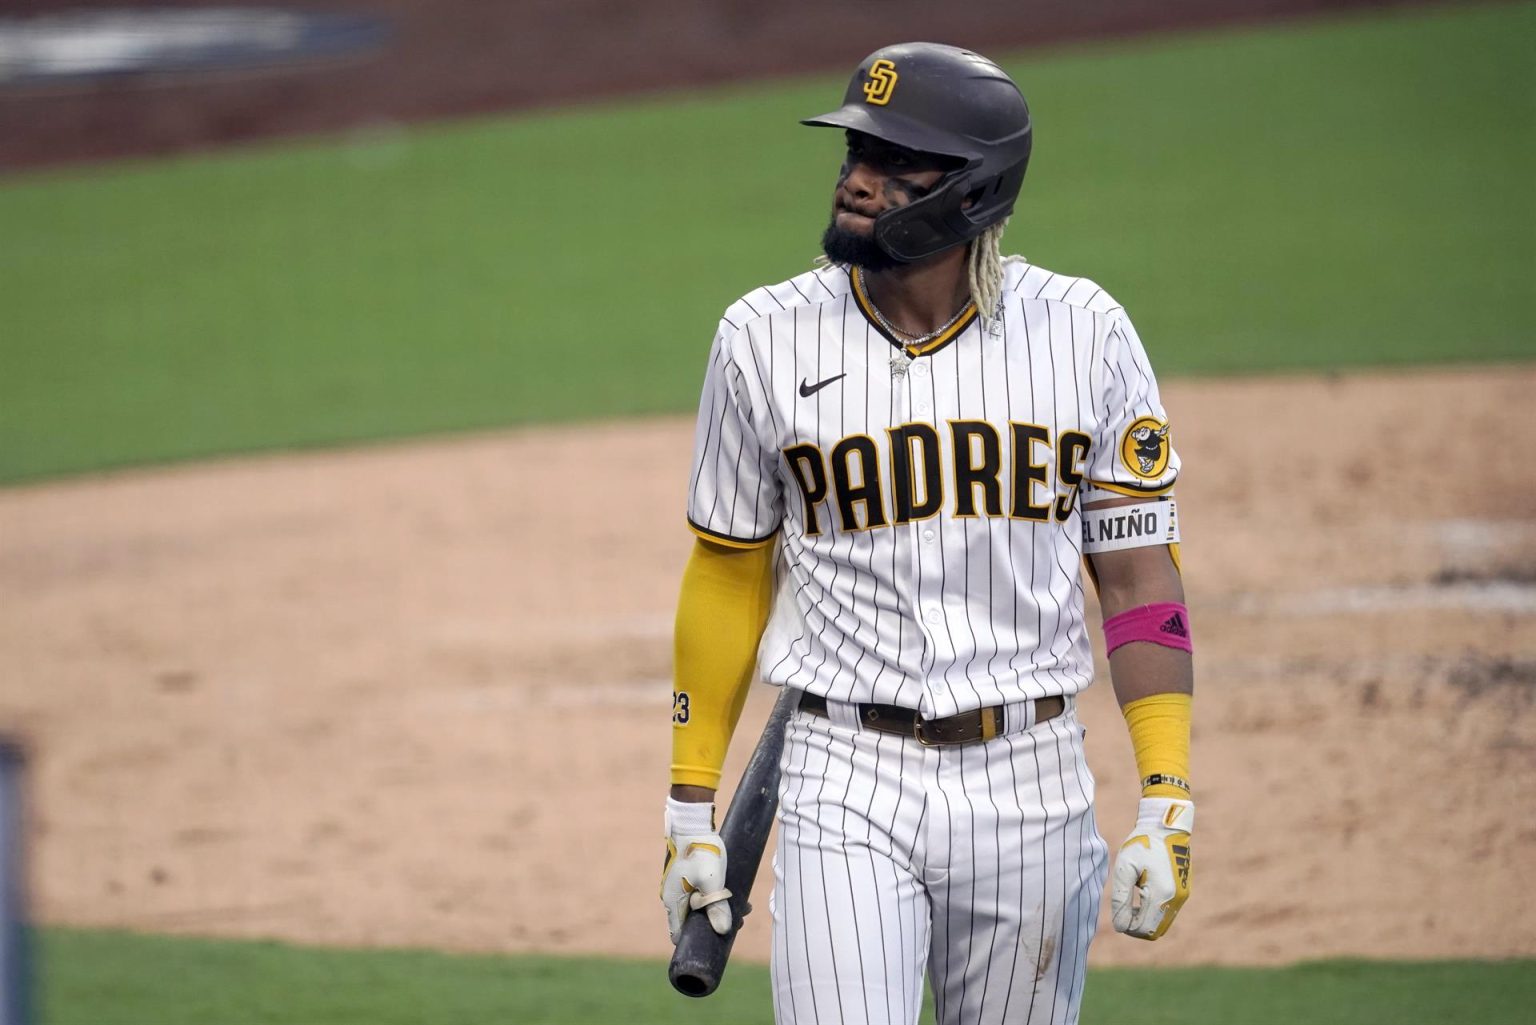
<point x="692" y="983"/>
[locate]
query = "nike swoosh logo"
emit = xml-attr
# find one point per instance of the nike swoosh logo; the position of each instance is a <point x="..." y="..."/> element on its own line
<point x="807" y="390"/>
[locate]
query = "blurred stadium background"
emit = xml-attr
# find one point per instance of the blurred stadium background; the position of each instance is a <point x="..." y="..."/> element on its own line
<point x="350" y="699"/>
<point x="394" y="61"/>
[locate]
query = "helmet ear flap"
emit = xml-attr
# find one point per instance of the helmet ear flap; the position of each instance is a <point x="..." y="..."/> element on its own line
<point x="960" y="208"/>
<point x="926" y="226"/>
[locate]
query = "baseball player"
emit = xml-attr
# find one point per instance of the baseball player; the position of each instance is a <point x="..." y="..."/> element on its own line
<point x="902" y="459"/>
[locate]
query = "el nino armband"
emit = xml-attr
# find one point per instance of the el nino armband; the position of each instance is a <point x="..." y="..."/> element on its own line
<point x="1118" y="527"/>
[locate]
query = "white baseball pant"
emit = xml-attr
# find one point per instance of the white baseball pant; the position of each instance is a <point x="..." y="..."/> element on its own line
<point x="981" y="861"/>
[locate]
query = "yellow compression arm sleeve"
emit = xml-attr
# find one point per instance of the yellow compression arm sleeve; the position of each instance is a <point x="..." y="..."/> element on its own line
<point x="1159" y="727"/>
<point x="721" y="612"/>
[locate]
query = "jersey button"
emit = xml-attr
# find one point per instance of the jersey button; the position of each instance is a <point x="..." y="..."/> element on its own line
<point x="929" y="535"/>
<point x="933" y="614"/>
<point x="920" y="369"/>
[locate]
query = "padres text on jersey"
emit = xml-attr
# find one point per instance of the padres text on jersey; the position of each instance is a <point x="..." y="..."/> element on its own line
<point x="929" y="506"/>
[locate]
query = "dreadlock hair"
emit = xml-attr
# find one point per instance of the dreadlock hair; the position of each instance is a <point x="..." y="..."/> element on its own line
<point x="984" y="269"/>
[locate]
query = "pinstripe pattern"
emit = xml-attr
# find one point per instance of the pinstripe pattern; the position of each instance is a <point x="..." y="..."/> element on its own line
<point x="942" y="614"/>
<point x="978" y="865"/>
<point x="985" y="856"/>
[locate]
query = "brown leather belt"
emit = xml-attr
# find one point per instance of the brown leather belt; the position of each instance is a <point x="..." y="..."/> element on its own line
<point x="964" y="728"/>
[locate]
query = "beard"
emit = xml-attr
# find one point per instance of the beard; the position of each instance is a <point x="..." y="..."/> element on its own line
<point x="854" y="250"/>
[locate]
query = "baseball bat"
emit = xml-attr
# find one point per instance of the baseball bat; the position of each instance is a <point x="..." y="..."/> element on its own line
<point x="699" y="960"/>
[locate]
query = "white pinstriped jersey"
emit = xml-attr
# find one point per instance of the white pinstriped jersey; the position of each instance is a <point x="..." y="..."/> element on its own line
<point x="928" y="504"/>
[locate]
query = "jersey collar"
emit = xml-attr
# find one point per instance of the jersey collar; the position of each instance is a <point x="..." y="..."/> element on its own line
<point x="861" y="299"/>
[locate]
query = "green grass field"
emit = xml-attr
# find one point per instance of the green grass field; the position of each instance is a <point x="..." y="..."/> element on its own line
<point x="1334" y="194"/>
<point x="110" y="978"/>
<point x="1339" y="193"/>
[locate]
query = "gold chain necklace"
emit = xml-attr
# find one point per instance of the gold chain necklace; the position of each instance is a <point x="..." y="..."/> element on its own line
<point x="913" y="341"/>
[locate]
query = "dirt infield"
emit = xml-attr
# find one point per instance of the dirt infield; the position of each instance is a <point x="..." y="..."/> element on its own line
<point x="418" y="694"/>
<point x="461" y="57"/>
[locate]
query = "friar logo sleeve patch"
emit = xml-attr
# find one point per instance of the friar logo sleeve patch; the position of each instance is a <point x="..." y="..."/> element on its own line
<point x="1144" y="447"/>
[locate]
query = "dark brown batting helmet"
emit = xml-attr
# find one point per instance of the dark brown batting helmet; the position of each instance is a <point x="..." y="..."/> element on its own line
<point x="952" y="102"/>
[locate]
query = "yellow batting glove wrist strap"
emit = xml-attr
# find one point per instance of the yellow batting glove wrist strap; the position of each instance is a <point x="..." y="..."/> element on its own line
<point x="1159" y="727"/>
<point x="721" y="611"/>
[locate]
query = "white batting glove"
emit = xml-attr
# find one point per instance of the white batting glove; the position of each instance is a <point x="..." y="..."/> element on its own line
<point x="694" y="876"/>
<point x="1151" y="877"/>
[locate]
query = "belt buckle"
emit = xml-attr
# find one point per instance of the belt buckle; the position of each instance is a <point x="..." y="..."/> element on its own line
<point x="917" y="731"/>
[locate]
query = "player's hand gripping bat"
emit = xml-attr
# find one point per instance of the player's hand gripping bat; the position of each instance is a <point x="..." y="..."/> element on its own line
<point x="699" y="960"/>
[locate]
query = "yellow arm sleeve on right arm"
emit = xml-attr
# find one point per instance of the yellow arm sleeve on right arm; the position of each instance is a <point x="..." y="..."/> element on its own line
<point x="1159" y="727"/>
<point x="721" y="612"/>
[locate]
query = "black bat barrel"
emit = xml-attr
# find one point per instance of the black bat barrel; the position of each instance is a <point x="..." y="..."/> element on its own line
<point x="699" y="960"/>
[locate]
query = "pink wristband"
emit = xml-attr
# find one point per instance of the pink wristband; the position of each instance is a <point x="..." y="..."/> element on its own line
<point x="1164" y="622"/>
